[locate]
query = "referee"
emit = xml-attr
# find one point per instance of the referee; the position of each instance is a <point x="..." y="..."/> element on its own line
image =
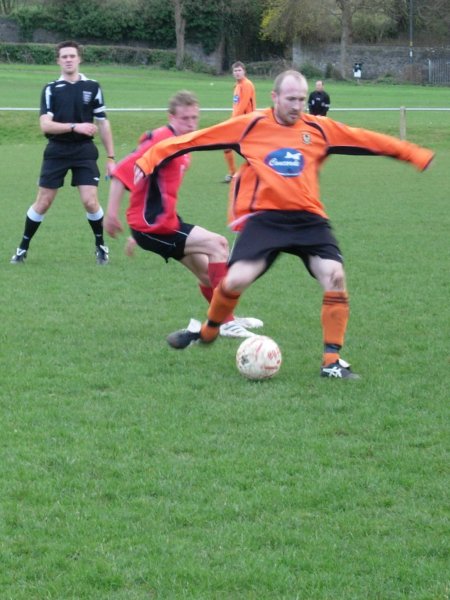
<point x="69" y="106"/>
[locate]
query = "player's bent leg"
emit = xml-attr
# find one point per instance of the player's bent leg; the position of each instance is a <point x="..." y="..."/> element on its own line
<point x="242" y="274"/>
<point x="222" y="305"/>
<point x="207" y="332"/>
<point x="233" y="327"/>
<point x="226" y="296"/>
<point x="202" y="241"/>
<point x="198" y="265"/>
<point x="236" y="281"/>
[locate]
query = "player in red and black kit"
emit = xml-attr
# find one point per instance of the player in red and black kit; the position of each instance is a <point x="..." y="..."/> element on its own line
<point x="153" y="219"/>
<point x="276" y="202"/>
<point x="69" y="106"/>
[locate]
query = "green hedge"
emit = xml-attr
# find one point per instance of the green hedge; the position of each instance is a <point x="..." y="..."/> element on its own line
<point x="150" y="22"/>
<point x="44" y="54"/>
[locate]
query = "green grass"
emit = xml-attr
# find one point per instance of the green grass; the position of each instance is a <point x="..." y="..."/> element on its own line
<point x="147" y="87"/>
<point x="137" y="87"/>
<point x="131" y="471"/>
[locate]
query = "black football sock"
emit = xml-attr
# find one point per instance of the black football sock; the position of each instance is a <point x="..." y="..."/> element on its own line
<point x="96" y="223"/>
<point x="32" y="222"/>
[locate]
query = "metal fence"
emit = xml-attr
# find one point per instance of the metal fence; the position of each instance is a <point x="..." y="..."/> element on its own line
<point x="439" y="71"/>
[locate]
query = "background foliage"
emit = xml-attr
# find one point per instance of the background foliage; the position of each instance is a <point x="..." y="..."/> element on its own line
<point x="245" y="29"/>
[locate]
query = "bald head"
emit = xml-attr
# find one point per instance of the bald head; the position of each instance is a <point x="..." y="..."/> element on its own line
<point x="291" y="74"/>
<point x="289" y="95"/>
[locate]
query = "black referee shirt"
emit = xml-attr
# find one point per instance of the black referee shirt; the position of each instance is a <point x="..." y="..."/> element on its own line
<point x="318" y="103"/>
<point x="77" y="102"/>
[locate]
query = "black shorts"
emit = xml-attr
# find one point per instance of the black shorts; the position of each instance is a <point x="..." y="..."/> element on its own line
<point x="61" y="157"/>
<point x="169" y="245"/>
<point x="268" y="233"/>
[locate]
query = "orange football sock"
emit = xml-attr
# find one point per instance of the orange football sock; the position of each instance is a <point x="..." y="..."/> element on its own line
<point x="335" y="314"/>
<point x="207" y="293"/>
<point x="222" y="305"/>
<point x="229" y="159"/>
<point x="216" y="272"/>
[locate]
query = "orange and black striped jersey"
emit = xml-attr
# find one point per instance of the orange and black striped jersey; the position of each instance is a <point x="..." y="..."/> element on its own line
<point x="244" y="98"/>
<point x="282" y="165"/>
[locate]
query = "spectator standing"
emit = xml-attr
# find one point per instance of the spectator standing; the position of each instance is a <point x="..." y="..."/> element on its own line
<point x="319" y="100"/>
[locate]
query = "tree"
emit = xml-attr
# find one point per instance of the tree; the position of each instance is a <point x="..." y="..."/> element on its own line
<point x="7" y="6"/>
<point x="348" y="11"/>
<point x="433" y="19"/>
<point x="229" y="28"/>
<point x="312" y="21"/>
<point x="347" y="8"/>
<point x="305" y="21"/>
<point x="180" y="29"/>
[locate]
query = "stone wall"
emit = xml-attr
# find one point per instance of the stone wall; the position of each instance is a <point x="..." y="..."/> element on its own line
<point x="9" y="32"/>
<point x="197" y="53"/>
<point x="377" y="60"/>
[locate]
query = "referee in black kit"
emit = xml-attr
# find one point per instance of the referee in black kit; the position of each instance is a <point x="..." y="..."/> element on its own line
<point x="69" y="106"/>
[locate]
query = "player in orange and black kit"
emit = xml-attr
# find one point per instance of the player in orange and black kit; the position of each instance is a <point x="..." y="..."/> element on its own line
<point x="153" y="219"/>
<point x="277" y="205"/>
<point x="244" y="102"/>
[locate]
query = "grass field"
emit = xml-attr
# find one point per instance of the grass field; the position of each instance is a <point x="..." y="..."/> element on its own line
<point x="130" y="471"/>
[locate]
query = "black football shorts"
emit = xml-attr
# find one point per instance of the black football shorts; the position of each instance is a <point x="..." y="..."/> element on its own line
<point x="61" y="157"/>
<point x="168" y="245"/>
<point x="268" y="233"/>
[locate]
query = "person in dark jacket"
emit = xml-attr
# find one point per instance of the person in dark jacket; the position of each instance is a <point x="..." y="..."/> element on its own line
<point x="319" y="100"/>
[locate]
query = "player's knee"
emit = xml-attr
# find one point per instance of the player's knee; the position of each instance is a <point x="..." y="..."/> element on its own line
<point x="230" y="284"/>
<point x="219" y="248"/>
<point x="337" y="279"/>
<point x="41" y="207"/>
<point x="203" y="278"/>
<point x="91" y="205"/>
<point x="224" y="248"/>
<point x="235" y="284"/>
<point x="43" y="203"/>
<point x="236" y="281"/>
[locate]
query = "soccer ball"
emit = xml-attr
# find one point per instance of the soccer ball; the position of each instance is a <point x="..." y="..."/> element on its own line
<point x="258" y="357"/>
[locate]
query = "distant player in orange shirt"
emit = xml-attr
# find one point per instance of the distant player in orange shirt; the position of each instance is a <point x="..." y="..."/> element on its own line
<point x="244" y="102"/>
<point x="277" y="203"/>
